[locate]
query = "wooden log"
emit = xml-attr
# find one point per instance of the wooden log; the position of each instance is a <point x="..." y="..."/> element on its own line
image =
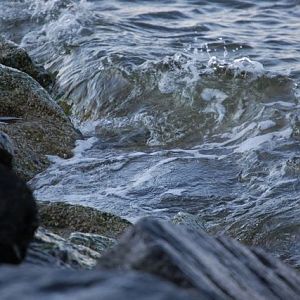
<point x="31" y="283"/>
<point x="214" y="267"/>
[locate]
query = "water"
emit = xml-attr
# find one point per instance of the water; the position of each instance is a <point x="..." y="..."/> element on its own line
<point x="186" y="106"/>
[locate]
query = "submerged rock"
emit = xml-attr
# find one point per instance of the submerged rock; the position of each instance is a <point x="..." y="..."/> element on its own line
<point x="14" y="56"/>
<point x="43" y="128"/>
<point x="31" y="283"/>
<point x="64" y="219"/>
<point x="18" y="217"/>
<point x="214" y="267"/>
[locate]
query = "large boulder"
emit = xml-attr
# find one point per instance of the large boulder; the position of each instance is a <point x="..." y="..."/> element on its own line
<point x="31" y="283"/>
<point x="42" y="129"/>
<point x="65" y="219"/>
<point x="12" y="55"/>
<point x="18" y="217"/>
<point x="214" y="267"/>
<point x="73" y="236"/>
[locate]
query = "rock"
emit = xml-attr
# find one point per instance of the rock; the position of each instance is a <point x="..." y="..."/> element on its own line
<point x="214" y="267"/>
<point x="66" y="248"/>
<point x="43" y="129"/>
<point x="188" y="220"/>
<point x="64" y="219"/>
<point x="49" y="249"/>
<point x="98" y="243"/>
<point x="18" y="217"/>
<point x="6" y="150"/>
<point x="29" y="283"/>
<point x="12" y="55"/>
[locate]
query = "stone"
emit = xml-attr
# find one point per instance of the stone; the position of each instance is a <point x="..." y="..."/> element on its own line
<point x="18" y="217"/>
<point x="64" y="219"/>
<point x="31" y="283"/>
<point x="14" y="56"/>
<point x="43" y="128"/>
<point x="188" y="220"/>
<point x="98" y="243"/>
<point x="213" y="267"/>
<point x="49" y="249"/>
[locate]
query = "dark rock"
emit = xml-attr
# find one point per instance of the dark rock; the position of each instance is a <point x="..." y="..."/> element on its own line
<point x="43" y="129"/>
<point x="29" y="283"/>
<point x="215" y="267"/>
<point x="12" y="55"/>
<point x="64" y="219"/>
<point x="6" y="150"/>
<point x="18" y="217"/>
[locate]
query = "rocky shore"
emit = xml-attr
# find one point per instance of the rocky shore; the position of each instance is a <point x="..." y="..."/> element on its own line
<point x="36" y="124"/>
<point x="77" y="252"/>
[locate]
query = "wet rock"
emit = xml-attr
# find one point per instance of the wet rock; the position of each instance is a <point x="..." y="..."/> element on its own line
<point x="49" y="249"/>
<point x="18" y="217"/>
<point x="64" y="219"/>
<point x="66" y="248"/>
<point x="214" y="267"/>
<point x="29" y="283"/>
<point x="14" y="56"/>
<point x="43" y="128"/>
<point x="98" y="243"/>
<point x="6" y="150"/>
<point x="188" y="220"/>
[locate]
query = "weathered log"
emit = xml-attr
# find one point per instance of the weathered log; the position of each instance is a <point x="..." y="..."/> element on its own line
<point x="215" y="267"/>
<point x="30" y="283"/>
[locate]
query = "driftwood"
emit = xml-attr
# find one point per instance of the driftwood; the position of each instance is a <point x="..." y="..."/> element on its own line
<point x="214" y="267"/>
<point x="32" y="283"/>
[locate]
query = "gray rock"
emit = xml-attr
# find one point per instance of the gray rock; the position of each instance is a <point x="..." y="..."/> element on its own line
<point x="64" y="219"/>
<point x="214" y="267"/>
<point x="97" y="242"/>
<point x="49" y="249"/>
<point x="188" y="220"/>
<point x="29" y="283"/>
<point x="12" y="55"/>
<point x="43" y="129"/>
<point x="56" y="243"/>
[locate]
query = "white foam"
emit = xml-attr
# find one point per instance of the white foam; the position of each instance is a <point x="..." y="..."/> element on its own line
<point x="281" y="103"/>
<point x="145" y="176"/>
<point x="254" y="143"/>
<point x="264" y="125"/>
<point x="213" y="94"/>
<point x="215" y="97"/>
<point x="175" y="192"/>
<point x="196" y="154"/>
<point x="246" y="65"/>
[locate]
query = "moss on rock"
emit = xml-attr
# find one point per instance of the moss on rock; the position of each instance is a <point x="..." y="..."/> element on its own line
<point x="43" y="128"/>
<point x="63" y="219"/>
